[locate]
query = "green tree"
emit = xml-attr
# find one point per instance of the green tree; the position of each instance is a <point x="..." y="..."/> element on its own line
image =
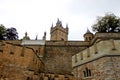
<point x="2" y="32"/>
<point x="108" y="23"/>
<point x="11" y="34"/>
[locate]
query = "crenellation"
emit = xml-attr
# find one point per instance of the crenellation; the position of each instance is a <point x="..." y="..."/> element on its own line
<point x="90" y="53"/>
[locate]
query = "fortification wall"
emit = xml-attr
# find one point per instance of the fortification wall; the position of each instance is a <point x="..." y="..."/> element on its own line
<point x="18" y="62"/>
<point x="58" y="55"/>
<point x="99" y="61"/>
<point x="67" y="43"/>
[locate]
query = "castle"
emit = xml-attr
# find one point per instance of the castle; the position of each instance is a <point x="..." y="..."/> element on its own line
<point x="95" y="58"/>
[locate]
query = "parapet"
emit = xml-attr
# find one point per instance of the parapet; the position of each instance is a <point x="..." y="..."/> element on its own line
<point x="67" y="43"/>
<point x="102" y="48"/>
<point x="33" y="42"/>
<point x="104" y="36"/>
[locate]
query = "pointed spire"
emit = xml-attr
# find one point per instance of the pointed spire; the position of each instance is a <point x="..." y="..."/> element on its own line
<point x="52" y="25"/>
<point x="25" y="33"/>
<point x="66" y="25"/>
<point x="45" y="33"/>
<point x="58" y="20"/>
<point x="88" y="31"/>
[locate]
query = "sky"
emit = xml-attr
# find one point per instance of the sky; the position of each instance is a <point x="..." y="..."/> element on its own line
<point x="36" y="16"/>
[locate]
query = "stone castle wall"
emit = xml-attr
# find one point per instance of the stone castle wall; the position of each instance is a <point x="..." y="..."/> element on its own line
<point x="105" y="68"/>
<point x="18" y="62"/>
<point x="99" y="61"/>
<point x="58" y="55"/>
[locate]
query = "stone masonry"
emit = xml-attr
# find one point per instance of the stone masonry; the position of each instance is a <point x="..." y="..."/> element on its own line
<point x="101" y="61"/>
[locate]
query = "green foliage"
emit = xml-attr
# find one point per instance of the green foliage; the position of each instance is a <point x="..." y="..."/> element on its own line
<point x="108" y="23"/>
<point x="2" y="32"/>
<point x="8" y="33"/>
<point x="11" y="34"/>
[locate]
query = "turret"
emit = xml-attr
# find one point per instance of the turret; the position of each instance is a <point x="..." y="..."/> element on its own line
<point x="88" y="36"/>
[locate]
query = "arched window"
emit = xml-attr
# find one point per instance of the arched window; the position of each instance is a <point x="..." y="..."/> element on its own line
<point x="87" y="72"/>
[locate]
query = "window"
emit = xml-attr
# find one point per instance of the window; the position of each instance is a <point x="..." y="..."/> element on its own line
<point x="95" y="48"/>
<point x="90" y="38"/>
<point x="62" y="39"/>
<point x="88" y="52"/>
<point x="87" y="72"/>
<point x="12" y="49"/>
<point x="23" y="50"/>
<point x="81" y="56"/>
<point x="1" y="48"/>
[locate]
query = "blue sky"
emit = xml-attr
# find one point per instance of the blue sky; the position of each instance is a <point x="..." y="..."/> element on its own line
<point x="37" y="16"/>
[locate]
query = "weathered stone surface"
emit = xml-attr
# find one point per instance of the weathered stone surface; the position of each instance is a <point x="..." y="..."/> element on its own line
<point x="103" y="65"/>
<point x="58" y="59"/>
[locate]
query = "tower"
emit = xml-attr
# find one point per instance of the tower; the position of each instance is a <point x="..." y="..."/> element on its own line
<point x="88" y="36"/>
<point x="59" y="32"/>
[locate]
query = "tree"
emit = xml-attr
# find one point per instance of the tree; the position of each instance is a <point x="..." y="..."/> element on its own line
<point x="108" y="23"/>
<point x="2" y="32"/>
<point x="11" y="34"/>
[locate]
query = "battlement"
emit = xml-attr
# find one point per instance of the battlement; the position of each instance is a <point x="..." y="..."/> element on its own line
<point x="109" y="47"/>
<point x="67" y="43"/>
<point x="103" y="36"/>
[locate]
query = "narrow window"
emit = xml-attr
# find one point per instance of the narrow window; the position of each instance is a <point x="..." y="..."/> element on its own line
<point x="23" y="51"/>
<point x="95" y="48"/>
<point x="86" y="39"/>
<point x="88" y="52"/>
<point x="90" y="38"/>
<point x="62" y="39"/>
<point x="89" y="72"/>
<point x="1" y="48"/>
<point x="84" y="74"/>
<point x="12" y="49"/>
<point x="81" y="56"/>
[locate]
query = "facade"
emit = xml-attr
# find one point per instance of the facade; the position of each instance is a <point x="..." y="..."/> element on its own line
<point x="100" y="61"/>
<point x="95" y="58"/>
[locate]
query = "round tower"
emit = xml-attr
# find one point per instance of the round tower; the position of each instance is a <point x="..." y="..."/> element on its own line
<point x="88" y="36"/>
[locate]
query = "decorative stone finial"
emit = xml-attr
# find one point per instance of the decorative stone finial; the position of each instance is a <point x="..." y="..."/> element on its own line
<point x="66" y="25"/>
<point x="59" y="22"/>
<point x="52" y="25"/>
<point x="25" y="33"/>
<point x="26" y="37"/>
<point x="36" y="37"/>
<point x="44" y="37"/>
